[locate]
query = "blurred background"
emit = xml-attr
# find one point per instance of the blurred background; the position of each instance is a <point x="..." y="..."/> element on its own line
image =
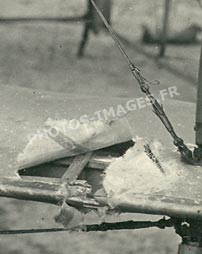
<point x="44" y="55"/>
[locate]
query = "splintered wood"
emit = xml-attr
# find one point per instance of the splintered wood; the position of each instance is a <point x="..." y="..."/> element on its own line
<point x="137" y="174"/>
<point x="45" y="190"/>
<point x="149" y="178"/>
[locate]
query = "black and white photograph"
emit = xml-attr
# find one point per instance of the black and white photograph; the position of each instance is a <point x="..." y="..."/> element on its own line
<point x="100" y="127"/>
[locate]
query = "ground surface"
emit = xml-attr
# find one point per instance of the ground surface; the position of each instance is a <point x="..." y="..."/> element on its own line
<point x="43" y="56"/>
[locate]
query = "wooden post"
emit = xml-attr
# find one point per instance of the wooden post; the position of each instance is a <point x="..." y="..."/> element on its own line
<point x="164" y="33"/>
<point x="198" y="126"/>
<point x="93" y="22"/>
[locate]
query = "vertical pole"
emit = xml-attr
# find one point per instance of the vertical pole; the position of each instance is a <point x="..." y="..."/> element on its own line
<point x="84" y="39"/>
<point x="164" y="33"/>
<point x="198" y="126"/>
<point x="86" y="30"/>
